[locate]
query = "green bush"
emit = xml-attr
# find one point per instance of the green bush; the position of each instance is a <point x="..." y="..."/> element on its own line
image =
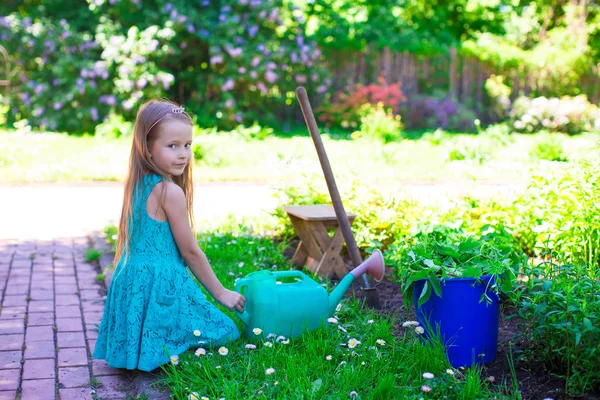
<point x="440" y="252"/>
<point x="378" y="123"/>
<point x="499" y="94"/>
<point x="561" y="304"/>
<point x="548" y="147"/>
<point x="114" y="126"/>
<point x="233" y="62"/>
<point x="199" y="152"/>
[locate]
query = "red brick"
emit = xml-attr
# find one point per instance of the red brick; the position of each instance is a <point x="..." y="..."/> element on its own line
<point x="93" y="305"/>
<point x="64" y="271"/>
<point x="9" y="379"/>
<point x="10" y="359"/>
<point x="65" y="280"/>
<point x="40" y="318"/>
<point x="100" y="368"/>
<point x="90" y="294"/>
<point x="64" y="261"/>
<point x="91" y="331"/>
<point x="21" y="263"/>
<point x="91" y="346"/>
<point x="92" y="317"/>
<point x="71" y="377"/>
<point x="67" y="300"/>
<point x="112" y="387"/>
<point x="76" y="394"/>
<point x="46" y="349"/>
<point x="40" y="294"/>
<point x="41" y="305"/>
<point x="38" y="369"/>
<point x="12" y="326"/>
<point x="42" y="389"/>
<point x="72" y="357"/>
<point x="11" y="342"/>
<point x="12" y="312"/>
<point x="39" y="334"/>
<point x="68" y="312"/>
<point x="8" y="395"/>
<point x="66" y="289"/>
<point x="17" y="289"/>
<point x="70" y="339"/>
<point x="15" y="300"/>
<point x="69" y="324"/>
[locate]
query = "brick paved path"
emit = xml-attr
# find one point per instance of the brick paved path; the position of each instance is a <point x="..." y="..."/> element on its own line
<point x="50" y="306"/>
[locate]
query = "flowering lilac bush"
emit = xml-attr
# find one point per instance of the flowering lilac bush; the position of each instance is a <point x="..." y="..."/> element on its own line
<point x="571" y="115"/>
<point x="230" y="62"/>
<point x="432" y="112"/>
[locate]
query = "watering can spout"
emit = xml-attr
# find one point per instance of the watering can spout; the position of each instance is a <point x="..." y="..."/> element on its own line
<point x="374" y="266"/>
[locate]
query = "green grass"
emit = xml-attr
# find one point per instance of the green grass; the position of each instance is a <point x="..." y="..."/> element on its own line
<point x="393" y="368"/>
<point x="43" y="157"/>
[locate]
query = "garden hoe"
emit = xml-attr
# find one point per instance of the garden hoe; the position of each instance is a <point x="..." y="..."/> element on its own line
<point x="371" y="292"/>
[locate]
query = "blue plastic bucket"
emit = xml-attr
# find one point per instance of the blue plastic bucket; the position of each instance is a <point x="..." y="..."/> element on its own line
<point x="467" y="325"/>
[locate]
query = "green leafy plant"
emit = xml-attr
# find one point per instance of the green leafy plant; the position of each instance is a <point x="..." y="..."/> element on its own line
<point x="255" y="131"/>
<point x="92" y="254"/>
<point x="561" y="303"/>
<point x="441" y="252"/>
<point x="548" y="147"/>
<point x="199" y="152"/>
<point x="114" y="126"/>
<point x="378" y="123"/>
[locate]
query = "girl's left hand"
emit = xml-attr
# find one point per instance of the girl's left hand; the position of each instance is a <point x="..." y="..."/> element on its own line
<point x="231" y="299"/>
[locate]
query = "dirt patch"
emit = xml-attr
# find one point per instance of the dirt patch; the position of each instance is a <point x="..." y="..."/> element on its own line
<point x="534" y="381"/>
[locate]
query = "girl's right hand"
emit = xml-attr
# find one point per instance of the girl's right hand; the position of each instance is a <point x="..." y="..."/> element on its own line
<point x="231" y="299"/>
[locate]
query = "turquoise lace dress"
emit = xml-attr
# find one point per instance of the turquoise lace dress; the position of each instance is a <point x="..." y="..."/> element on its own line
<point x="153" y="306"/>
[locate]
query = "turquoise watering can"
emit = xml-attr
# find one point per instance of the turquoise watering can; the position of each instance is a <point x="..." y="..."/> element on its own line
<point x="288" y="303"/>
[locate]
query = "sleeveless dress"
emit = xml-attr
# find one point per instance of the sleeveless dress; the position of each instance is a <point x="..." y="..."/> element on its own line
<point x="153" y="305"/>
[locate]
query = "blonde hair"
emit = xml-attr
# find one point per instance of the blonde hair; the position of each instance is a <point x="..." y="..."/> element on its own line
<point x="148" y="123"/>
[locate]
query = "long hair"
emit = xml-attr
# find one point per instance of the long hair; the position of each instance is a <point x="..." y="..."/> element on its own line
<point x="141" y="164"/>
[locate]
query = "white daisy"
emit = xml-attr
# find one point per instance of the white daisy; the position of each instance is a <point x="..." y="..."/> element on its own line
<point x="257" y="331"/>
<point x="250" y="346"/>
<point x="268" y="344"/>
<point x="329" y="358"/>
<point x="352" y="343"/>
<point x="339" y="307"/>
<point x="332" y="320"/>
<point x="428" y="375"/>
<point x="270" y="371"/>
<point x="223" y="351"/>
<point x="270" y="336"/>
<point x="196" y="332"/>
<point x="200" y="352"/>
<point x="380" y="342"/>
<point x="175" y="360"/>
<point x="193" y="396"/>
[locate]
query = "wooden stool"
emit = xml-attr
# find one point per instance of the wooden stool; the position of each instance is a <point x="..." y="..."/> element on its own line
<point x="317" y="249"/>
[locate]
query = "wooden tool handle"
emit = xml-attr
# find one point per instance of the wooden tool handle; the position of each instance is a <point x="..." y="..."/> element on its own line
<point x="333" y="190"/>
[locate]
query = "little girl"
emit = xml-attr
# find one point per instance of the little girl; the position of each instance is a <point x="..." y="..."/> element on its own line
<point x="154" y="309"/>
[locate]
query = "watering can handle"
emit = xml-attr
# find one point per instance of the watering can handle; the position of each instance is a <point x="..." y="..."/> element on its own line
<point x="239" y="285"/>
<point x="290" y="274"/>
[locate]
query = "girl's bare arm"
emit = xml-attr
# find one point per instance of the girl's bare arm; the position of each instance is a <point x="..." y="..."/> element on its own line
<point x="175" y="208"/>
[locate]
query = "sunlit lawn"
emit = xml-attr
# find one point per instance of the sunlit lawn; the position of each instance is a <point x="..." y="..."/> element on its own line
<point x="327" y="363"/>
<point x="43" y="157"/>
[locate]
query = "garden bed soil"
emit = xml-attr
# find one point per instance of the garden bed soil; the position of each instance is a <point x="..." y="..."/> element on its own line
<point x="535" y="383"/>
